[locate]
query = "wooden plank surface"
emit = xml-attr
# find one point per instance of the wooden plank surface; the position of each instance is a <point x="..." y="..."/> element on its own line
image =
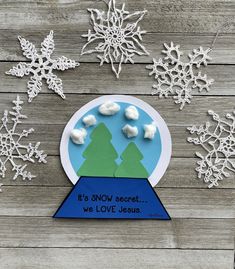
<point x="178" y="16"/>
<point x="136" y="81"/>
<point x="201" y="233"/>
<point x="71" y="45"/>
<point x="61" y="111"/>
<point x="61" y="258"/>
<point x="44" y="201"/>
<point x="177" y="233"/>
<point x="187" y="178"/>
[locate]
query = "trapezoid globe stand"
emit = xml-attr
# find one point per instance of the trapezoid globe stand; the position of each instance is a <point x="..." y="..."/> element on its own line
<point x="112" y="198"/>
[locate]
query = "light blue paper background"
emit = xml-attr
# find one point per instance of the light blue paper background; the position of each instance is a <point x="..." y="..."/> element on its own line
<point x="151" y="149"/>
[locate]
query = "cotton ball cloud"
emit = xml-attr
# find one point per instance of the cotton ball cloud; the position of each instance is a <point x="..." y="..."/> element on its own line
<point x="131" y="113"/>
<point x="109" y="108"/>
<point x="150" y="130"/>
<point x="89" y="120"/>
<point x="130" y="131"/>
<point x="78" y="136"/>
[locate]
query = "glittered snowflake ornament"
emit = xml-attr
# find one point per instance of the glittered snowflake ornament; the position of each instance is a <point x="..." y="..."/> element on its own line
<point x="173" y="76"/>
<point x="12" y="149"/>
<point x="115" y="37"/>
<point x="41" y="66"/>
<point x="218" y="143"/>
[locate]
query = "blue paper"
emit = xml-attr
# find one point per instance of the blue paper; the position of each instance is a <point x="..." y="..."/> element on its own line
<point x="112" y="198"/>
<point x="151" y="149"/>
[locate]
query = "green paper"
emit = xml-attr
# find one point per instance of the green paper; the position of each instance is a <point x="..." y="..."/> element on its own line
<point x="131" y="165"/>
<point x="100" y="154"/>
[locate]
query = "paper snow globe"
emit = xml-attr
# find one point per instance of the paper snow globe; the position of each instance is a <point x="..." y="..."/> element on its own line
<point x="114" y="150"/>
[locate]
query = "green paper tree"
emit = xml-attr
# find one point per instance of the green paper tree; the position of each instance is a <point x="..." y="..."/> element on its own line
<point x="100" y="154"/>
<point x="131" y="165"/>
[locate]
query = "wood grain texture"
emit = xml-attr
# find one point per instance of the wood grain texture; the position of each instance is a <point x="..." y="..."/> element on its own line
<point x="70" y="46"/>
<point x="64" y="258"/>
<point x="55" y="176"/>
<point x="44" y="201"/>
<point x="178" y="16"/>
<point x="135" y="81"/>
<point x="177" y="233"/>
<point x="201" y="233"/>
<point x="61" y="111"/>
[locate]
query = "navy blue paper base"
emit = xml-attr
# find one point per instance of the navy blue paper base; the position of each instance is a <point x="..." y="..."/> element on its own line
<point x="112" y="198"/>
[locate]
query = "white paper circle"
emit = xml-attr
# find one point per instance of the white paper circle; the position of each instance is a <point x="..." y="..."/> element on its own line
<point x="165" y="155"/>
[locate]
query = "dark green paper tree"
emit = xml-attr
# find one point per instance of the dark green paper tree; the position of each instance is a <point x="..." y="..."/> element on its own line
<point x="100" y="154"/>
<point x="131" y="165"/>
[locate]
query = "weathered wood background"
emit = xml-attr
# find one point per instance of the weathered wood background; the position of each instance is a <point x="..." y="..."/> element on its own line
<point x="201" y="233"/>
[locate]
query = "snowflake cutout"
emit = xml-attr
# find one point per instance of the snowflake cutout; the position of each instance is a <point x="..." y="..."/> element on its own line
<point x="41" y="66"/>
<point x="11" y="147"/>
<point x="218" y="141"/>
<point x="116" y="36"/>
<point x="174" y="76"/>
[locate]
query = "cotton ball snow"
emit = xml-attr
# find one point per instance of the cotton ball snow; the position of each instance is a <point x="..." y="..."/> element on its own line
<point x="131" y="113"/>
<point x="78" y="136"/>
<point x="130" y="131"/>
<point x="150" y="130"/>
<point x="109" y="108"/>
<point x="89" y="120"/>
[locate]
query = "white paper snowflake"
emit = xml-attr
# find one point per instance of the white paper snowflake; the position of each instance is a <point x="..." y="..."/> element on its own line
<point x="11" y="147"/>
<point x="173" y="76"/>
<point x="218" y="141"/>
<point x="41" y="66"/>
<point x="116" y="36"/>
